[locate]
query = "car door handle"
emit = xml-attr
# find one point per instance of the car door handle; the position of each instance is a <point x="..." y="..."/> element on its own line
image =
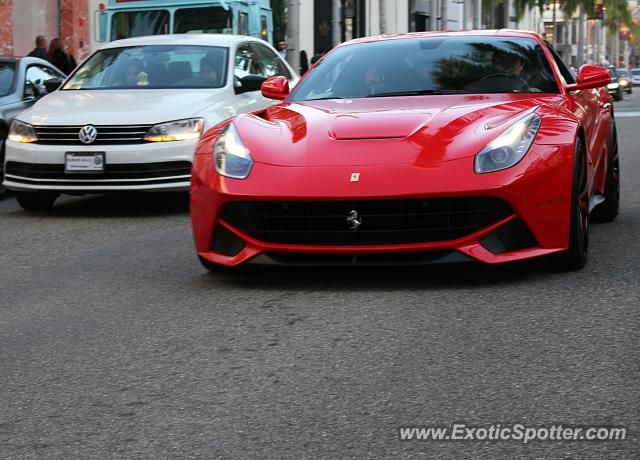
<point x="606" y="106"/>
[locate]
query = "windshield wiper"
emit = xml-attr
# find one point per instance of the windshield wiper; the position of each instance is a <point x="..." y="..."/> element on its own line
<point x="325" y="98"/>
<point x="419" y="92"/>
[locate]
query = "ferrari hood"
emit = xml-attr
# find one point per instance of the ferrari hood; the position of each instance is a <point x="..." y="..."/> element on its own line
<point x="419" y="130"/>
<point x="121" y="107"/>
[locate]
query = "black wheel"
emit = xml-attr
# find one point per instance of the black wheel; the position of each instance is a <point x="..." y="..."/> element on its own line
<point x="608" y="211"/>
<point x="36" y="201"/>
<point x="3" y="189"/>
<point x="575" y="257"/>
<point x="619" y="95"/>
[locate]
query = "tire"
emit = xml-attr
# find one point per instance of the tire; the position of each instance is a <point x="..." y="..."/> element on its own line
<point x="608" y="211"/>
<point x="576" y="256"/>
<point x="36" y="201"/>
<point x="3" y="138"/>
<point x="618" y="96"/>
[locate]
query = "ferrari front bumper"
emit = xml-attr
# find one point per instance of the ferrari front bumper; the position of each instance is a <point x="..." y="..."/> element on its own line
<point x="533" y="222"/>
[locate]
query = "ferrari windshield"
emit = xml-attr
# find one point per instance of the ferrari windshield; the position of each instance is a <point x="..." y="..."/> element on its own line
<point x="433" y="65"/>
<point x="151" y="67"/>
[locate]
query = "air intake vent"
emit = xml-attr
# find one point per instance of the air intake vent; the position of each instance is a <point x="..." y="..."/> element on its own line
<point x="378" y="222"/>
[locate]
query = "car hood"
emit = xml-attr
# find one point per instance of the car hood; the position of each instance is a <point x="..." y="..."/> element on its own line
<point x="119" y="107"/>
<point x="419" y="130"/>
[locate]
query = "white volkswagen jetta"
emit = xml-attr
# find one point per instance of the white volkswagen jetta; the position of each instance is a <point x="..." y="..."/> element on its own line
<point x="129" y="117"/>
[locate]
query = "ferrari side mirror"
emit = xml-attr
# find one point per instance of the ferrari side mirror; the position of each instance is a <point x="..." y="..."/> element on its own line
<point x="276" y="88"/>
<point x="590" y="76"/>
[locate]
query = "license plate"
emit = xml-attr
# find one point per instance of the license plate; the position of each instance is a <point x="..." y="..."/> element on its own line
<point x="83" y="162"/>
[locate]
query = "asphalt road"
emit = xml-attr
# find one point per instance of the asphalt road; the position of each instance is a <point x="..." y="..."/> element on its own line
<point x="114" y="342"/>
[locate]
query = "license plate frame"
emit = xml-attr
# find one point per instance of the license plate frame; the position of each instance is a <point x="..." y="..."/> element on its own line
<point x="84" y="162"/>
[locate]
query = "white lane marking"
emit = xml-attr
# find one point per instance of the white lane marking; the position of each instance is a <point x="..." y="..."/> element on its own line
<point x="623" y="114"/>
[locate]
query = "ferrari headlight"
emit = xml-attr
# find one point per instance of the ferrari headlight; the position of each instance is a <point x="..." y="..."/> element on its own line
<point x="21" y="132"/>
<point x="231" y="157"/>
<point x="181" y="130"/>
<point x="509" y="147"/>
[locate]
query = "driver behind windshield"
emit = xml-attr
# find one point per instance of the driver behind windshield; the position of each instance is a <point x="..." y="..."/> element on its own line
<point x="507" y="63"/>
<point x="208" y="69"/>
<point x="374" y="79"/>
<point x="134" y="74"/>
<point x="504" y="75"/>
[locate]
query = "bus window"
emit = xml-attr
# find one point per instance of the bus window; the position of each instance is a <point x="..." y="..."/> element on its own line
<point x="139" y="23"/>
<point x="243" y="24"/>
<point x="210" y="20"/>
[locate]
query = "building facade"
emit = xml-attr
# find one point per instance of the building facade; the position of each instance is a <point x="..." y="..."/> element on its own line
<point x="22" y="20"/>
<point x="362" y="18"/>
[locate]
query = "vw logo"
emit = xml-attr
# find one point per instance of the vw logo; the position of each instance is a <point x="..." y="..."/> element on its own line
<point x="88" y="134"/>
<point x="354" y="220"/>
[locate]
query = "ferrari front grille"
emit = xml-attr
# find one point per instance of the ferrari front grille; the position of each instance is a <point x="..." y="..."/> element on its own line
<point x="370" y="222"/>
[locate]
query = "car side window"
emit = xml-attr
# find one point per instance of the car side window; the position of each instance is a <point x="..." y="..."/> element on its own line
<point x="271" y="63"/>
<point x="565" y="72"/>
<point x="37" y="75"/>
<point x="246" y="62"/>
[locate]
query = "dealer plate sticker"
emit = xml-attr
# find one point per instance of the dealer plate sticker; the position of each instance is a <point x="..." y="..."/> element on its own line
<point x="82" y="162"/>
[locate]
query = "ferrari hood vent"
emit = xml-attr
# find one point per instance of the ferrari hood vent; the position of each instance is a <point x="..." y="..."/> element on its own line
<point x="384" y="124"/>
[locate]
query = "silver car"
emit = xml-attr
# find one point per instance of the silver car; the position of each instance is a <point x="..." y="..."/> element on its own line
<point x="22" y="82"/>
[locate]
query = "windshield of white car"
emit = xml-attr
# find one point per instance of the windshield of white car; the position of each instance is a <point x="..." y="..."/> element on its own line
<point x="7" y="73"/>
<point x="430" y="66"/>
<point x="152" y="67"/>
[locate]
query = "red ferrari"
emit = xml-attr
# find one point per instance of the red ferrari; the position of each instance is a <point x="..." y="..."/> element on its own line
<point x="413" y="149"/>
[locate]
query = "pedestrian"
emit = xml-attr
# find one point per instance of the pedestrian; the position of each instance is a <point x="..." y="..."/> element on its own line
<point x="282" y="49"/>
<point x="304" y="62"/>
<point x="317" y="56"/>
<point x="40" y="51"/>
<point x="59" y="57"/>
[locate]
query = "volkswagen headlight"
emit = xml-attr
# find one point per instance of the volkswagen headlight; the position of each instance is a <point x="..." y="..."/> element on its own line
<point x="181" y="130"/>
<point x="230" y="156"/>
<point x="509" y="147"/>
<point x="22" y="132"/>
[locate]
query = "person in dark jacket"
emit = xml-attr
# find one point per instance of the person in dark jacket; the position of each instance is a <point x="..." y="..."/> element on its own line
<point x="317" y="56"/>
<point x="304" y="62"/>
<point x="59" y="57"/>
<point x="40" y="51"/>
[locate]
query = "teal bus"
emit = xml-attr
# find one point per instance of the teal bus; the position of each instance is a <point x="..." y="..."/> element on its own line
<point x="119" y="19"/>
